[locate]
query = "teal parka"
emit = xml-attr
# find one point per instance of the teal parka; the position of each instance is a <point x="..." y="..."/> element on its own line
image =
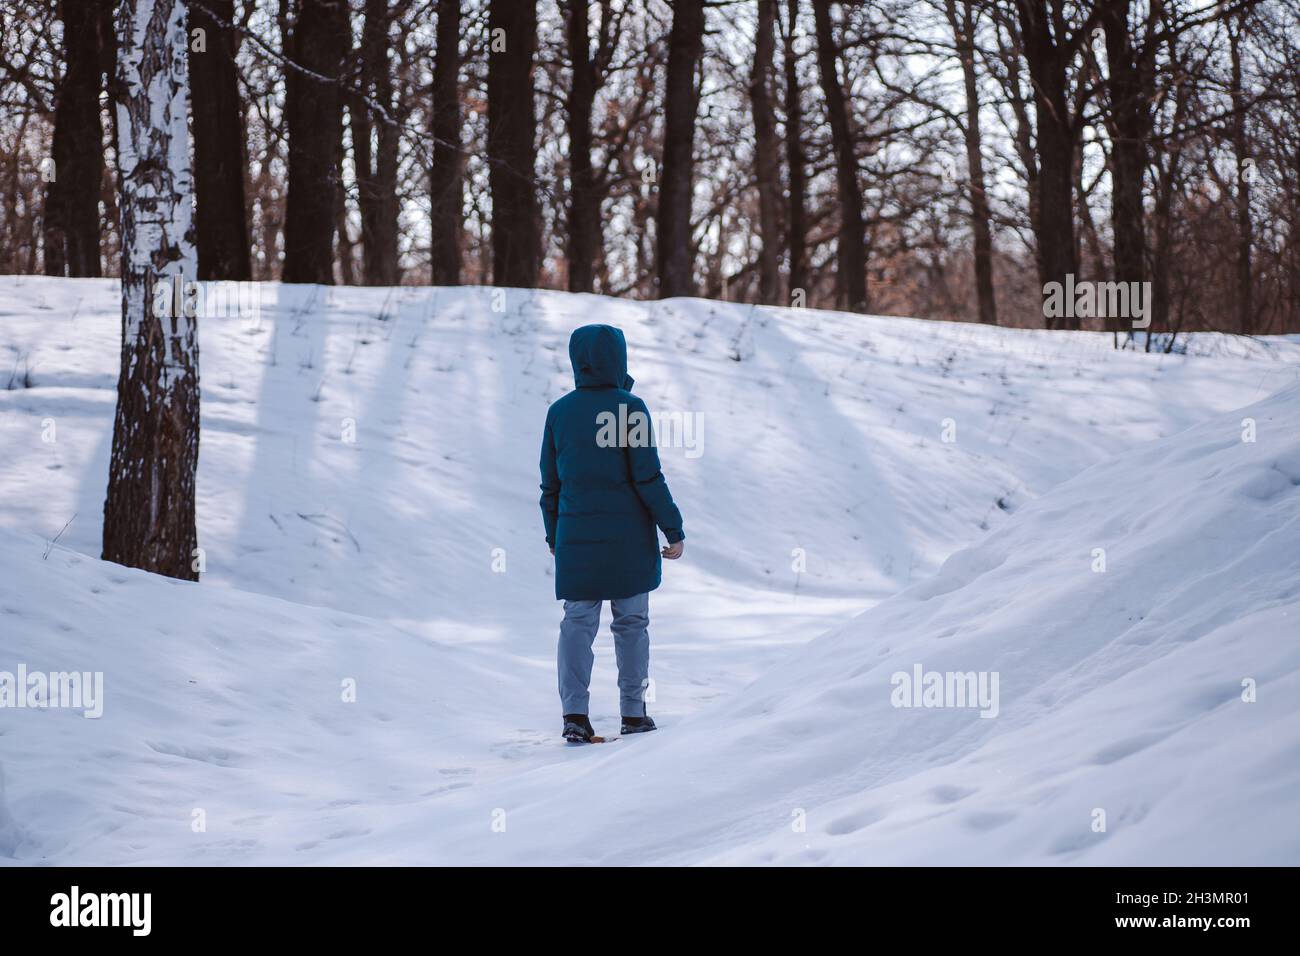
<point x="602" y="499"/>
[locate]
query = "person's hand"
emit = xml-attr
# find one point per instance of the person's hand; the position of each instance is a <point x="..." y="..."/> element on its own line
<point x="674" y="551"/>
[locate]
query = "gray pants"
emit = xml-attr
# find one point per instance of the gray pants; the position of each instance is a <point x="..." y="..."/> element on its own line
<point x="631" y="650"/>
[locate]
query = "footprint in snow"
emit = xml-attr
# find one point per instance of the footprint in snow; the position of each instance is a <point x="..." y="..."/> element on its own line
<point x="985" y="821"/>
<point x="950" y="793"/>
<point x="1125" y="748"/>
<point x="853" y="822"/>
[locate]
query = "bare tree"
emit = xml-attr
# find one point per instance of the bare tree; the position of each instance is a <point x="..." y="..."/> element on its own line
<point x="851" y="250"/>
<point x="1168" y="174"/>
<point x="376" y="162"/>
<point x="1130" y="86"/>
<point x="149" y="508"/>
<point x="584" y="230"/>
<point x="317" y="45"/>
<point x="1049" y="47"/>
<point x="1135" y="139"/>
<point x="767" y="152"/>
<point x="72" y="224"/>
<point x="1241" y="152"/>
<point x="220" y="163"/>
<point x="676" y="246"/>
<point x="511" y="138"/>
<point x="446" y="179"/>
<point x="796" y="162"/>
<point x="961" y="17"/>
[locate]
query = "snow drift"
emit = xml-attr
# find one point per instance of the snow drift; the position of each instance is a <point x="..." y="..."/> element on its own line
<point x="1148" y="711"/>
<point x="356" y="681"/>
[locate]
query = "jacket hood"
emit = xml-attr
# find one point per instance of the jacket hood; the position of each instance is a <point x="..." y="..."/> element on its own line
<point x="599" y="357"/>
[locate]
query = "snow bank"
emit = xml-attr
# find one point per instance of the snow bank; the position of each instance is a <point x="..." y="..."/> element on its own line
<point x="1147" y="712"/>
<point x="367" y="506"/>
<point x="227" y="716"/>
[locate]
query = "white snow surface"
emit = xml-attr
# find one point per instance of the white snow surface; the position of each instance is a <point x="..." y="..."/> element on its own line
<point x="378" y="562"/>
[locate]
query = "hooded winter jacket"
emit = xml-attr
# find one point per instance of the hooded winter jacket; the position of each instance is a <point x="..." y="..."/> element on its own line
<point x="601" y="500"/>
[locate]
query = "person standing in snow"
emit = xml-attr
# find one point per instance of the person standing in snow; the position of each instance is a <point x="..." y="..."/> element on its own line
<point x="603" y="494"/>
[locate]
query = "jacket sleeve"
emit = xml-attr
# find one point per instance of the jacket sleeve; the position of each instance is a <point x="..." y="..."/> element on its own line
<point x="652" y="488"/>
<point x="550" y="500"/>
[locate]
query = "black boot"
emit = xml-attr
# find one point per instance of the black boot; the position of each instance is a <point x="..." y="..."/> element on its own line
<point x="637" y="725"/>
<point x="578" y="729"/>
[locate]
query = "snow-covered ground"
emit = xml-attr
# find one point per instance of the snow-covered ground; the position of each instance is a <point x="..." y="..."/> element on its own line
<point x="840" y="461"/>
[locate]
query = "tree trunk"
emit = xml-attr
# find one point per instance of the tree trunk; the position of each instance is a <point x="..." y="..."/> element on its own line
<point x="675" y="248"/>
<point x="376" y="168"/>
<point x="319" y="42"/>
<point x="343" y="244"/>
<point x="511" y="138"/>
<point x="360" y="129"/>
<point x="1086" y="236"/>
<point x="767" y="164"/>
<point x="1011" y="53"/>
<point x="851" y="250"/>
<point x="1052" y="211"/>
<point x="1162" y="249"/>
<point x="584" y="228"/>
<point x="797" y="225"/>
<point x="1130" y="84"/>
<point x="1168" y="185"/>
<point x="149" y="509"/>
<point x="963" y="31"/>
<point x="1241" y="148"/>
<point x="72" y="225"/>
<point x="446" y="184"/>
<point x="220" y="218"/>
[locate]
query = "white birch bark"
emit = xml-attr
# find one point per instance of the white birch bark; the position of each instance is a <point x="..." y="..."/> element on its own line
<point x="149" y="511"/>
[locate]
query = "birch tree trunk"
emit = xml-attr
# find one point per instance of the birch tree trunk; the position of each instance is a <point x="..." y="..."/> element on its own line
<point x="149" y="509"/>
